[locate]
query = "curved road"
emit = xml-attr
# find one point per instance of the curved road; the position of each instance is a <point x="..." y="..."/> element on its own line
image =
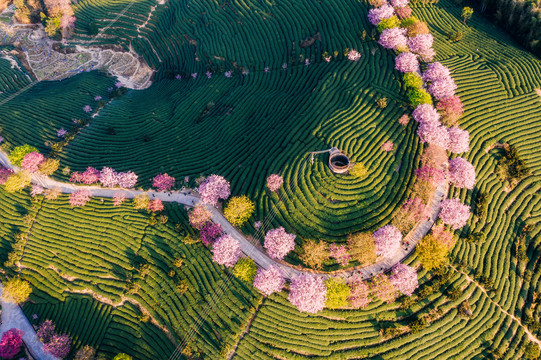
<point x="259" y="256"/>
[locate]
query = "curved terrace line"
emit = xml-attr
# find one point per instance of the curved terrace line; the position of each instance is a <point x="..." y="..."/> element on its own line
<point x="249" y="249"/>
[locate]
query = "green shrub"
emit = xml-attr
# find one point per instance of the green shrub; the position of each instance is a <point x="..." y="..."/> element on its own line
<point x="337" y="293"/>
<point x="408" y="21"/>
<point x="245" y="269"/>
<point x="412" y="81"/>
<point x="359" y="170"/>
<point x="17" y="154"/>
<point x="388" y="23"/>
<point x="419" y="96"/>
<point x="238" y="210"/>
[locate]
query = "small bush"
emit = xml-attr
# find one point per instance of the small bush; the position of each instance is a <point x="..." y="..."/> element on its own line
<point x="419" y="96"/>
<point x="337" y="293"/>
<point x="382" y="103"/>
<point x="412" y="81"/>
<point x="238" y="210"/>
<point x="245" y="269"/>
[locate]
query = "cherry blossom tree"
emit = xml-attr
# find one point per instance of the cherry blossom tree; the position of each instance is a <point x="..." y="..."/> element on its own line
<point x="32" y="161"/>
<point x="340" y="254"/>
<point x="387" y="239"/>
<point x="442" y="88"/>
<point x="359" y="297"/>
<point x="163" y="182"/>
<point x="45" y="331"/>
<point x="381" y="288"/>
<point x="61" y="132"/>
<point x="213" y="188"/>
<point x="404" y="120"/>
<point x="155" y="205"/>
<point x="459" y="140"/>
<point x="377" y="14"/>
<point x="444" y="236"/>
<point x="58" y="346"/>
<point x="87" y="109"/>
<point x="399" y="3"/>
<point x="451" y="109"/>
<point x="387" y="146"/>
<point x="430" y="174"/>
<point x="118" y="198"/>
<point x="199" y="216"/>
<point x="403" y="12"/>
<point x="90" y="176"/>
<point x="461" y="173"/>
<point x="11" y="343"/>
<point x="406" y="62"/>
<point x="433" y="133"/>
<point x="274" y="182"/>
<point x="127" y="179"/>
<point x="226" y="251"/>
<point x="393" y="38"/>
<point x="210" y="232"/>
<point x="108" y="177"/>
<point x="278" y="243"/>
<point x="436" y="71"/>
<point x="36" y="190"/>
<point x="404" y="279"/>
<point x="4" y="174"/>
<point x="454" y="213"/>
<point x="354" y="55"/>
<point x="416" y="209"/>
<point x="421" y="44"/>
<point x="76" y="177"/>
<point x="424" y="113"/>
<point x="269" y="280"/>
<point x="308" y="293"/>
<point x="80" y="197"/>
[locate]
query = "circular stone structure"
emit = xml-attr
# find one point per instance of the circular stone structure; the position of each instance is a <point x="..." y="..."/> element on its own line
<point x="338" y="161"/>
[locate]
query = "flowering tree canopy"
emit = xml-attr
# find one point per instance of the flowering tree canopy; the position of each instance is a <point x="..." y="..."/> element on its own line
<point x="431" y="253"/>
<point x="269" y="280"/>
<point x="459" y="140"/>
<point x="127" y="179"/>
<point x="393" y="38"/>
<point x="382" y="288"/>
<point x="226" y="251"/>
<point x="399" y="3"/>
<point x="442" y="88"/>
<point x="359" y="297"/>
<point x="36" y="190"/>
<point x="436" y="71"/>
<point x="214" y="187"/>
<point x="119" y="198"/>
<point x="163" y="182"/>
<point x="278" y="243"/>
<point x="406" y="62"/>
<point x="80" y="197"/>
<point x="403" y="12"/>
<point x="421" y="44"/>
<point x="4" y="174"/>
<point x="87" y="109"/>
<point x="404" y="279"/>
<point x="461" y="173"/>
<point x="16" y="155"/>
<point x="337" y="293"/>
<point x="444" y="236"/>
<point x="199" y="216"/>
<point x="155" y="205"/>
<point x="61" y="132"/>
<point x="308" y="293"/>
<point x="210" y="232"/>
<point x="377" y="14"/>
<point x="451" y="109"/>
<point x="32" y="161"/>
<point x="90" y="176"/>
<point x="416" y="208"/>
<point x="274" y="182"/>
<point x="340" y="254"/>
<point x="430" y="174"/>
<point x="108" y="177"/>
<point x="58" y="346"/>
<point x="434" y="133"/>
<point x="426" y="113"/>
<point x="387" y="239"/>
<point x="238" y="210"/>
<point x="454" y="213"/>
<point x="354" y="55"/>
<point x="45" y="331"/>
<point x="387" y="146"/>
<point x="11" y="343"/>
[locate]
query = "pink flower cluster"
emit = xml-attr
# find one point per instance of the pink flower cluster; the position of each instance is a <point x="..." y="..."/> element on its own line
<point x="459" y="140"/>
<point x="226" y="251"/>
<point x="4" y="174"/>
<point x="107" y="177"/>
<point x="32" y="161"/>
<point x="461" y="173"/>
<point x="210" y="232"/>
<point x="441" y="89"/>
<point x="416" y="208"/>
<point x="387" y="146"/>
<point x="80" y="197"/>
<point x="308" y="293"/>
<point x="278" y="243"/>
<point x="214" y="187"/>
<point x="119" y="198"/>
<point x="443" y="235"/>
<point x="403" y="12"/>
<point x="199" y="216"/>
<point x="421" y="44"/>
<point x="433" y="133"/>
<point x="269" y="280"/>
<point x="58" y="346"/>
<point x="377" y="14"/>
<point x="406" y="62"/>
<point x="11" y="343"/>
<point x="393" y="38"/>
<point x="436" y="71"/>
<point x="404" y="279"/>
<point x="61" y="132"/>
<point x="359" y="297"/>
<point x="399" y="3"/>
<point x="163" y="182"/>
<point x="354" y="55"/>
<point x="451" y="107"/>
<point x="36" y="190"/>
<point x="274" y="182"/>
<point x="155" y="205"/>
<point x="429" y="174"/>
<point x="87" y="109"/>
<point x="340" y="254"/>
<point x="424" y="113"/>
<point x="382" y="288"/>
<point x="454" y="213"/>
<point x="387" y="239"/>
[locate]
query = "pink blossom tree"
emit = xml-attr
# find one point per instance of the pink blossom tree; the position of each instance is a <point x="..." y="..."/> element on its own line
<point x="381" y="288"/>
<point x="45" y="331"/>
<point x="108" y="177"/>
<point x="459" y="140"/>
<point x="421" y="44"/>
<point x="404" y="120"/>
<point x="90" y="176"/>
<point x="308" y="293"/>
<point x="11" y="343"/>
<point x="454" y="213"/>
<point x="441" y="89"/>
<point x="354" y="55"/>
<point x="359" y="297"/>
<point x="127" y="179"/>
<point x="118" y="198"/>
<point x="76" y="177"/>
<point x="58" y="346"/>
<point x="387" y="146"/>
<point x="377" y="14"/>
<point x="461" y="173"/>
<point x="399" y="3"/>
<point x="87" y="109"/>
<point x="451" y="108"/>
<point x="424" y="113"/>
<point x="163" y="182"/>
<point x="36" y="190"/>
<point x="269" y="280"/>
<point x="406" y="62"/>
<point x="393" y="38"/>
<point x="61" y="132"/>
<point x="387" y="240"/>
<point x="32" y="161"/>
<point x="155" y="205"/>
<point x="404" y="279"/>
<point x="226" y="251"/>
<point x="416" y="209"/>
<point x="4" y="174"/>
<point x="444" y="236"/>
<point x="436" y="71"/>
<point x="433" y="133"/>
<point x="278" y="243"/>
<point x="80" y="197"/>
<point x="214" y="187"/>
<point x="274" y="182"/>
<point x="340" y="254"/>
<point x="210" y="232"/>
<point x="429" y="174"/>
<point x="403" y="12"/>
<point x="199" y="216"/>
